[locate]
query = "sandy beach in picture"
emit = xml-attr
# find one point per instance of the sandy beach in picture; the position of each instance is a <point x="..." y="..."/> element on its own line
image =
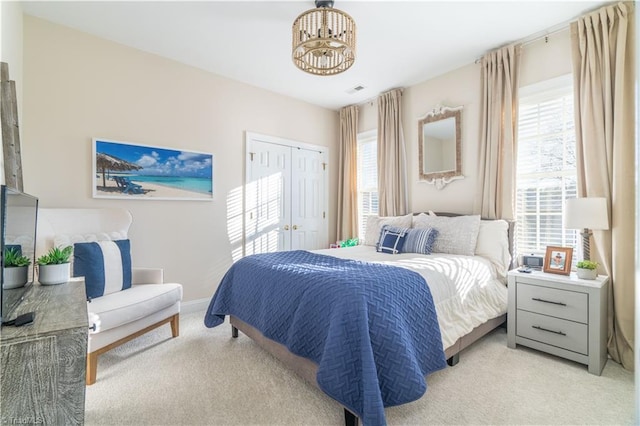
<point x="149" y="190"/>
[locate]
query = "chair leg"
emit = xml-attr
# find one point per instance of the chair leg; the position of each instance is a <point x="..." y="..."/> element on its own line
<point x="92" y="358"/>
<point x="92" y="368"/>
<point x="175" y="325"/>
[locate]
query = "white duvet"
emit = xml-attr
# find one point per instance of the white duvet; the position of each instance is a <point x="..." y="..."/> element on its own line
<point x="466" y="289"/>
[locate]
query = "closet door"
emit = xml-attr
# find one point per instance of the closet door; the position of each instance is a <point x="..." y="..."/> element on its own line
<point x="308" y="212"/>
<point x="268" y="199"/>
<point x="285" y="196"/>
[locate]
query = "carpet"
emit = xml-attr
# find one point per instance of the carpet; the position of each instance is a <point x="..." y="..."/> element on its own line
<point x="204" y="377"/>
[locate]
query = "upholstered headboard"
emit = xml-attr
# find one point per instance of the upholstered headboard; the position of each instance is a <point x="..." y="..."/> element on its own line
<point x="80" y="222"/>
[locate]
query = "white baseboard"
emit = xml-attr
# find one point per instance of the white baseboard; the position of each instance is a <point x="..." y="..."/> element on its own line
<point x="199" y="305"/>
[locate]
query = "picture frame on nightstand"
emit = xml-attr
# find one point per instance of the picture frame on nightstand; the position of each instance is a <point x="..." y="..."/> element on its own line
<point x="557" y="260"/>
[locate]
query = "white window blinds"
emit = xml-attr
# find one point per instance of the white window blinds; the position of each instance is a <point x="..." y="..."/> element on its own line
<point x="546" y="169"/>
<point x="367" y="179"/>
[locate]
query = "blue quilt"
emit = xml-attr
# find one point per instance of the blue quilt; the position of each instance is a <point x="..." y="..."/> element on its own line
<point x="371" y="328"/>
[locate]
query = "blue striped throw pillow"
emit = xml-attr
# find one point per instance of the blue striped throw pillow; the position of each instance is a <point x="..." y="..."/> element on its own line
<point x="105" y="266"/>
<point x="391" y="239"/>
<point x="420" y="240"/>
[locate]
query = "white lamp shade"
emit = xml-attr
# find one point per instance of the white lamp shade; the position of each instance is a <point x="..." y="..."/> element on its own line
<point x="591" y="213"/>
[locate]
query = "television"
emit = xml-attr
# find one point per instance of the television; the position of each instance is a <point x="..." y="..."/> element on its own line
<point x="18" y="222"/>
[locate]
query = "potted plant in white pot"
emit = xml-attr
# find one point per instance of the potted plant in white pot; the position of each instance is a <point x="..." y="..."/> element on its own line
<point x="586" y="270"/>
<point x="16" y="269"/>
<point x="53" y="267"/>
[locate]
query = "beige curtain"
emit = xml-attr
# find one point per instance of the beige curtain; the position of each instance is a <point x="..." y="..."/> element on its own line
<point x="392" y="162"/>
<point x="604" y="83"/>
<point x="498" y="137"/>
<point x="347" y="174"/>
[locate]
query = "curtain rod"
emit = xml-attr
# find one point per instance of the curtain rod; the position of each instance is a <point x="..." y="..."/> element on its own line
<point x="546" y="33"/>
<point x="563" y="25"/>
<point x="551" y="30"/>
<point x="536" y="36"/>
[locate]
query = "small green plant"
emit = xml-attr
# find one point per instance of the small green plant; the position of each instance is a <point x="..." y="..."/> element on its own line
<point x="56" y="256"/>
<point x="13" y="258"/>
<point x="587" y="264"/>
<point x="349" y="243"/>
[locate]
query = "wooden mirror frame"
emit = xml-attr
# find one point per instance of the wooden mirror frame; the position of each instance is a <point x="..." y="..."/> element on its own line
<point x="441" y="178"/>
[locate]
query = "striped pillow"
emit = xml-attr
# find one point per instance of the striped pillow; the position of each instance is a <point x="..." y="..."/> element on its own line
<point x="105" y="266"/>
<point x="420" y="240"/>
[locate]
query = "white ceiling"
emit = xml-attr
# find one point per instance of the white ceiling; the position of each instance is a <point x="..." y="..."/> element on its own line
<point x="400" y="43"/>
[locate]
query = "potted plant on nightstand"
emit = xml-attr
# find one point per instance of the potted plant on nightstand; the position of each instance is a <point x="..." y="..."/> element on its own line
<point x="586" y="270"/>
<point x="16" y="269"/>
<point x="53" y="267"/>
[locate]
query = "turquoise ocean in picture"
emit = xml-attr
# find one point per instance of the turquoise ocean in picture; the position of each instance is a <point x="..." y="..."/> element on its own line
<point x="195" y="184"/>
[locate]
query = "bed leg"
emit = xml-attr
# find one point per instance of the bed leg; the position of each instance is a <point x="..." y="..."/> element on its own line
<point x="453" y="360"/>
<point x="234" y="332"/>
<point x="350" y="419"/>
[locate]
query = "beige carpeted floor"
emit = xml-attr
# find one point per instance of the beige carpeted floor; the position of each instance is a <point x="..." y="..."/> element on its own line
<point x="205" y="377"/>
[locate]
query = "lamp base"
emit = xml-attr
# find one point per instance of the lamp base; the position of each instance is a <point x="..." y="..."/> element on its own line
<point x="586" y="249"/>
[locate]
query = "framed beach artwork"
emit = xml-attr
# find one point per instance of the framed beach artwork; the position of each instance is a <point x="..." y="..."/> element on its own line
<point x="127" y="170"/>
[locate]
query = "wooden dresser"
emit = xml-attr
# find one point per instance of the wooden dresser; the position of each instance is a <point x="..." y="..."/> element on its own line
<point x="42" y="369"/>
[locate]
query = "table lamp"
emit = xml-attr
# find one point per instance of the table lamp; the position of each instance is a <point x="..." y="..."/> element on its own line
<point x="586" y="214"/>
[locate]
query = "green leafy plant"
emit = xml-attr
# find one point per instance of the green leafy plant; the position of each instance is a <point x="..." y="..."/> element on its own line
<point x="13" y="258"/>
<point x="349" y="243"/>
<point x="587" y="264"/>
<point x="56" y="256"/>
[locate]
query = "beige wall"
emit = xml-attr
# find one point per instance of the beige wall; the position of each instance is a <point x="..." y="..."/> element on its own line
<point x="11" y="53"/>
<point x="540" y="61"/>
<point x="77" y="87"/>
<point x="11" y="42"/>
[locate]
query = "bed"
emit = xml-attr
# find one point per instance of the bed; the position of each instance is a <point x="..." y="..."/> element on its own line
<point x="361" y="324"/>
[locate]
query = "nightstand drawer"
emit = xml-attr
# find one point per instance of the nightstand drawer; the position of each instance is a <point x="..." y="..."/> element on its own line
<point x="564" y="304"/>
<point x="564" y="334"/>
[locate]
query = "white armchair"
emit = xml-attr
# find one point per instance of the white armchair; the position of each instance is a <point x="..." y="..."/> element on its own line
<point x="114" y="318"/>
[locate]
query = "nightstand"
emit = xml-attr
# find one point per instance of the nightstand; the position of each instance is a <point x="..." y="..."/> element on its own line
<point x="559" y="314"/>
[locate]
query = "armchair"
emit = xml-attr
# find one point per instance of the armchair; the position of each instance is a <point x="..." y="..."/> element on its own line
<point x="118" y="317"/>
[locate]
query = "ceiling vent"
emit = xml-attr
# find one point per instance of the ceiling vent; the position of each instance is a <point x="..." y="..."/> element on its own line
<point x="355" y="89"/>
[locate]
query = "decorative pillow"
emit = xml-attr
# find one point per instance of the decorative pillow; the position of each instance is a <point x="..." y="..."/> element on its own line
<point x="375" y="224"/>
<point x="416" y="219"/>
<point x="391" y="239"/>
<point x="105" y="266"/>
<point x="456" y="235"/>
<point x="63" y="240"/>
<point x="420" y="240"/>
<point x="493" y="244"/>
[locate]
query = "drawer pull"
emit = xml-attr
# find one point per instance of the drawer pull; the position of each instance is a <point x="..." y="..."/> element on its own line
<point x="548" y="301"/>
<point x="537" y="327"/>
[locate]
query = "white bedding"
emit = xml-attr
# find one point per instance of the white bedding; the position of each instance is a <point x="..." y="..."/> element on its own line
<point x="466" y="289"/>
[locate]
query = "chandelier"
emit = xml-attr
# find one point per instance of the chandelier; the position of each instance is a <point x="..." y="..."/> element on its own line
<point x="324" y="40"/>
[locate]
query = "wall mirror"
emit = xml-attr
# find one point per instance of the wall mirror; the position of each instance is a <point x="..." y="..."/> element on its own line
<point x="439" y="146"/>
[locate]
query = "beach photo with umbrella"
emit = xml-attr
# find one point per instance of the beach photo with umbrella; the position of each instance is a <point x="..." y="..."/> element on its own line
<point x="135" y="171"/>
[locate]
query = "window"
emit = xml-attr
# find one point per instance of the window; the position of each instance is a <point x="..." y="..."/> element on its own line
<point x="546" y="168"/>
<point x="367" y="179"/>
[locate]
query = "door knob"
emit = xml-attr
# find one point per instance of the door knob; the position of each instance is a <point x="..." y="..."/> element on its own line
<point x="286" y="227"/>
<point x="295" y="227"/>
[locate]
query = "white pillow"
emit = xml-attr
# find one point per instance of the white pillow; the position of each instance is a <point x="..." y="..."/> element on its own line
<point x="493" y="244"/>
<point x="419" y="221"/>
<point x="456" y="235"/>
<point x="375" y="224"/>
